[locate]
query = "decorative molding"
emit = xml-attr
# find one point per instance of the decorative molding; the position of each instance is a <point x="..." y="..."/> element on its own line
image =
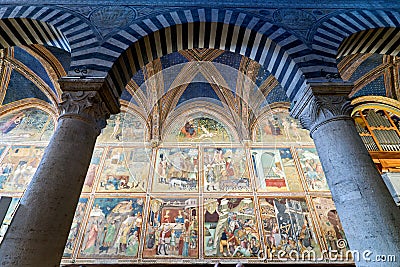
<point x="323" y="109"/>
<point x="87" y="106"/>
<point x="323" y="103"/>
<point x="376" y="102"/>
<point x="100" y="85"/>
<point x="375" y="99"/>
<point x="27" y="103"/>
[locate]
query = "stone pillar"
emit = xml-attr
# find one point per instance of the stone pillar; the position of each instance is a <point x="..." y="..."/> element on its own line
<point x="369" y="216"/>
<point x="40" y="227"/>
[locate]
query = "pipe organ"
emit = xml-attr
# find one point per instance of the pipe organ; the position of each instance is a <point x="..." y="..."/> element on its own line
<point x="379" y="129"/>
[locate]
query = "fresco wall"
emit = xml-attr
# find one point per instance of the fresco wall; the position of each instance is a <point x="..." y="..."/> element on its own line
<point x="193" y="201"/>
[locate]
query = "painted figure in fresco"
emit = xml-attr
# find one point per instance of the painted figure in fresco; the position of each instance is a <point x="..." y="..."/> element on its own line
<point x="12" y="123"/>
<point x="206" y="133"/>
<point x="109" y="235"/>
<point x="75" y="227"/>
<point x="92" y="238"/>
<point x="193" y="239"/>
<point x="230" y="172"/>
<point x="314" y="173"/>
<point x="200" y="130"/>
<point x="132" y="244"/>
<point x="286" y="226"/>
<point x="174" y="229"/>
<point x="18" y="167"/>
<point x="163" y="165"/>
<point x="122" y="236"/>
<point x="5" y="171"/>
<point x="162" y="242"/>
<point x="333" y="236"/>
<point x="172" y="242"/>
<point x="223" y="242"/>
<point x="275" y="126"/>
<point x="117" y="132"/>
<point x="218" y="158"/>
<point x="286" y="128"/>
<point x="124" y="170"/>
<point x="176" y="172"/>
<point x="188" y="130"/>
<point x="210" y="178"/>
<point x="180" y="218"/>
<point x="231" y="228"/>
<point x="295" y="129"/>
<point x="90" y="175"/>
<point x="225" y="170"/>
<point x="185" y="249"/>
<point x="114" y="228"/>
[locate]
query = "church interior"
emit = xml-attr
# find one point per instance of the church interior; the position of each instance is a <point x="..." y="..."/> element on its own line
<point x="160" y="133"/>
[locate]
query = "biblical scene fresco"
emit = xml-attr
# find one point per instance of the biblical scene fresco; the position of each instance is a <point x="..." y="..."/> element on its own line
<point x="123" y="127"/>
<point x="230" y="228"/>
<point x="75" y="227"/>
<point x="312" y="169"/>
<point x="93" y="169"/>
<point x="125" y="170"/>
<point x="176" y="170"/>
<point x="172" y="228"/>
<point x="275" y="170"/>
<point x="225" y="169"/>
<point x="113" y="228"/>
<point x="331" y="228"/>
<point x="280" y="127"/>
<point x="200" y="130"/>
<point x="288" y="228"/>
<point x="18" y="167"/>
<point x="7" y="219"/>
<point x="26" y="125"/>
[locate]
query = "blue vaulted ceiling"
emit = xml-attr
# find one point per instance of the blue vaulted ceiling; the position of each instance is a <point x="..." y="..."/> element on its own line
<point x="176" y="60"/>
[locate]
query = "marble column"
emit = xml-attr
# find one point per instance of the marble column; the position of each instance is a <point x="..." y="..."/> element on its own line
<point x="369" y="216"/>
<point x="40" y="227"/>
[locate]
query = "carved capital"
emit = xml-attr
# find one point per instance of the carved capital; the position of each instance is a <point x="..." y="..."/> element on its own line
<point x="322" y="109"/>
<point x="85" y="105"/>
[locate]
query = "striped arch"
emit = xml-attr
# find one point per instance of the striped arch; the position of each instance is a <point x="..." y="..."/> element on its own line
<point x="384" y="41"/>
<point x="363" y="30"/>
<point x="274" y="48"/>
<point x="25" y="25"/>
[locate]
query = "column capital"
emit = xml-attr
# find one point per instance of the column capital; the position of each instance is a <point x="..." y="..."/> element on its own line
<point x="321" y="104"/>
<point x="85" y="105"/>
<point x="107" y="93"/>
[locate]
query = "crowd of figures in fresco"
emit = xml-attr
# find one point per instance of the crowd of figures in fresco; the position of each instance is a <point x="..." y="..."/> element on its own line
<point x="287" y="226"/>
<point x="277" y="126"/>
<point x="192" y="200"/>
<point x="172" y="228"/>
<point x="225" y="170"/>
<point x="230" y="227"/>
<point x="176" y="169"/>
